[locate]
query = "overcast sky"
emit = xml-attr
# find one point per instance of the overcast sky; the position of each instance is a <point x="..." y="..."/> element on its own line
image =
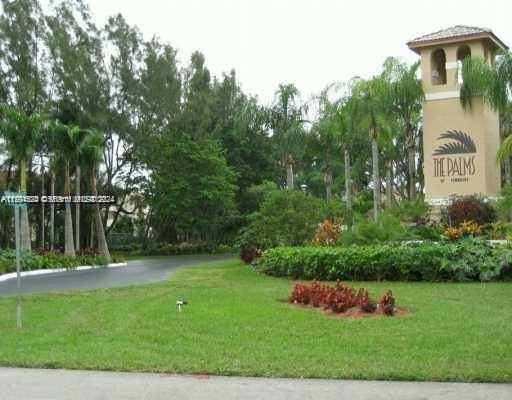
<point x="310" y="43"/>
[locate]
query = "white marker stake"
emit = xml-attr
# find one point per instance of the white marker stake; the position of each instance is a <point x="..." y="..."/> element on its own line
<point x="18" y="267"/>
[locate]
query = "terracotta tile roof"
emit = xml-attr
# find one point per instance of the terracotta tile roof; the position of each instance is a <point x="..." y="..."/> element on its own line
<point x="456" y="32"/>
<point x="452" y="32"/>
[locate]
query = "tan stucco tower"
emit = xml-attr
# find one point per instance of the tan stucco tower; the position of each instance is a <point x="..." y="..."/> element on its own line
<point x="459" y="146"/>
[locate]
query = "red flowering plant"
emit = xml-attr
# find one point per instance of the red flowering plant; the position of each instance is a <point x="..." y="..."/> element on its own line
<point x="365" y="302"/>
<point x="341" y="298"/>
<point x="301" y="294"/>
<point x="327" y="232"/>
<point x="387" y="303"/>
<point x="43" y="251"/>
<point x="318" y="293"/>
<point x="87" y="251"/>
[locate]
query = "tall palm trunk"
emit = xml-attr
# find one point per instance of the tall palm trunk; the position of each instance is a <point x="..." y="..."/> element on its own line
<point x="52" y="209"/>
<point x="42" y="204"/>
<point x="25" y="226"/>
<point x="91" y="237"/>
<point x="69" y="248"/>
<point x="411" y="162"/>
<point x="328" y="182"/>
<point x="289" y="171"/>
<point x="376" y="177"/>
<point x="77" y="210"/>
<point x="348" y="178"/>
<point x="100" y="232"/>
<point x="389" y="187"/>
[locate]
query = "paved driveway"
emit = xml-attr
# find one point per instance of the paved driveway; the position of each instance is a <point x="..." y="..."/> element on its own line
<point x="135" y="273"/>
<point x="32" y="384"/>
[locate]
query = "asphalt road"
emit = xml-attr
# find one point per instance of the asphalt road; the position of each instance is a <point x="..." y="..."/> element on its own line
<point x="137" y="272"/>
<point x="32" y="384"/>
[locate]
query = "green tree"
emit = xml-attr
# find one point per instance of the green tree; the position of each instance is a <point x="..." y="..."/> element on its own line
<point x="493" y="84"/>
<point x="22" y="69"/>
<point x="405" y="97"/>
<point x="69" y="140"/>
<point x="197" y="118"/>
<point x="286" y="121"/>
<point x="192" y="188"/>
<point x="241" y="128"/>
<point x="370" y="105"/>
<point x="20" y="133"/>
<point x="326" y="134"/>
<point x="92" y="151"/>
<point x="353" y="141"/>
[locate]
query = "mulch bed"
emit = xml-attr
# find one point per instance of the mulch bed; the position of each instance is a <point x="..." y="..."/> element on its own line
<point x="355" y="312"/>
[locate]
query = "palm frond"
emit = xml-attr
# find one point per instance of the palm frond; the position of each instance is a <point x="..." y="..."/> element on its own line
<point x="505" y="149"/>
<point x="463" y="143"/>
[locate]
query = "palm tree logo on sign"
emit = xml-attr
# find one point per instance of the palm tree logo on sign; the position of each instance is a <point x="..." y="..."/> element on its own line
<point x="461" y="144"/>
<point x="453" y="159"/>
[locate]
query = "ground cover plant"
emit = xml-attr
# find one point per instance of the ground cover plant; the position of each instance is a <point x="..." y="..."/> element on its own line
<point x="45" y="259"/>
<point x="235" y="325"/>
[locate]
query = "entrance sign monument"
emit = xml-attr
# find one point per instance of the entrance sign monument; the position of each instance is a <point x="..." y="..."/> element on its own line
<point x="459" y="145"/>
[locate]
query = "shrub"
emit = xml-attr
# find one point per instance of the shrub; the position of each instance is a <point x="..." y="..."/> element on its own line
<point x="339" y="298"/>
<point x="300" y="294"/>
<point x="249" y="254"/>
<point x="466" y="228"/>
<point x="318" y="293"/>
<point x="172" y="249"/>
<point x="468" y="259"/>
<point x="470" y="208"/>
<point x="499" y="230"/>
<point x="365" y="232"/>
<point x="327" y="233"/>
<point x="45" y="259"/>
<point x="365" y="302"/>
<point x="387" y="303"/>
<point x="504" y="204"/>
<point x="285" y="218"/>
<point x="473" y="259"/>
<point x="411" y="210"/>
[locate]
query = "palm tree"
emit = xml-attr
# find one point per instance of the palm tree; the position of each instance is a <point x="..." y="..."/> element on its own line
<point x="287" y="124"/>
<point x="79" y="157"/>
<point x="41" y="150"/>
<point x="405" y="97"/>
<point x="69" y="139"/>
<point x="349" y="137"/>
<point x="50" y="136"/>
<point x="92" y="150"/>
<point x="370" y="105"/>
<point x="325" y="138"/>
<point x="505" y="150"/>
<point x="20" y="131"/>
<point x="493" y="83"/>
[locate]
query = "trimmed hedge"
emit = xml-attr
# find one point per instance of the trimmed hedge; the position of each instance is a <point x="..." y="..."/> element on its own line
<point x="465" y="261"/>
<point x="171" y="249"/>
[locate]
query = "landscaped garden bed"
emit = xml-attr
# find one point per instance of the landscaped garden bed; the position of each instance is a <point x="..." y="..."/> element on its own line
<point x="46" y="259"/>
<point x="343" y="300"/>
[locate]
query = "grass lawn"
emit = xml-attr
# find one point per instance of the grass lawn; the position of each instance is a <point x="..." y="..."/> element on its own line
<point x="235" y="325"/>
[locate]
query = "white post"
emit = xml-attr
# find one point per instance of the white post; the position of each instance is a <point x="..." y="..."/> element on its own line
<point x="18" y="267"/>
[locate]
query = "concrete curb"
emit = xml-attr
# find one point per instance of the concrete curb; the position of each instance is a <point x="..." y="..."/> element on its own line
<point x="12" y="275"/>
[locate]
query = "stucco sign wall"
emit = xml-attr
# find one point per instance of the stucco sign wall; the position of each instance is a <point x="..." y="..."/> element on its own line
<point x="454" y="158"/>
